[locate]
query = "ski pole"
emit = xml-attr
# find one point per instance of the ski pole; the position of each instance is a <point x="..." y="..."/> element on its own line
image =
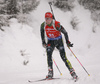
<point x="57" y="66"/>
<point x="79" y="61"/>
<point x="50" y="3"/>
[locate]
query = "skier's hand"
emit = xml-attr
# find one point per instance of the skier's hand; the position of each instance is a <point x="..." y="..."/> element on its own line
<point x="44" y="44"/>
<point x="69" y="44"/>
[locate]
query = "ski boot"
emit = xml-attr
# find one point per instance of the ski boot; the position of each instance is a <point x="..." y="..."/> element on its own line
<point x="73" y="74"/>
<point x="50" y="74"/>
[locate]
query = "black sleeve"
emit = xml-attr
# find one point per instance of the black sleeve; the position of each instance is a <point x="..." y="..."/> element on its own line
<point x="60" y="28"/>
<point x="65" y="33"/>
<point x="42" y="31"/>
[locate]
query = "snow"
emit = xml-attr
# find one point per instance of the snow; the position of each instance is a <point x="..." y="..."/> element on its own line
<point x="21" y="39"/>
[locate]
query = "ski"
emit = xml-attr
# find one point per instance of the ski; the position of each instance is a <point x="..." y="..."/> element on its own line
<point x="47" y="79"/>
<point x="31" y="81"/>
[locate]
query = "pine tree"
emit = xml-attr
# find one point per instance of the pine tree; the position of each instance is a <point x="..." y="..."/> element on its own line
<point x="64" y="4"/>
<point x="11" y="7"/>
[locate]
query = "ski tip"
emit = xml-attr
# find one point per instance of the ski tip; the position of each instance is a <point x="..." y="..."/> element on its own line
<point x="28" y="80"/>
<point x="89" y="75"/>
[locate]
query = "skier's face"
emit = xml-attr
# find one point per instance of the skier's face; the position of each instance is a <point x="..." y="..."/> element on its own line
<point x="48" y="20"/>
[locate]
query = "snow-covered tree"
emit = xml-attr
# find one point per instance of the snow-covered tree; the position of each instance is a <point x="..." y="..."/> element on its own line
<point x="90" y="4"/>
<point x="16" y="8"/>
<point x="27" y="6"/>
<point x="12" y="7"/>
<point x="94" y="7"/>
<point x="64" y="4"/>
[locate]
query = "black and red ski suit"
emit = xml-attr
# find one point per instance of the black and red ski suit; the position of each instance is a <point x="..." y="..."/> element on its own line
<point x="54" y="37"/>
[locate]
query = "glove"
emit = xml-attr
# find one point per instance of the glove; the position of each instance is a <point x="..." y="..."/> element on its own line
<point x="69" y="44"/>
<point x="44" y="44"/>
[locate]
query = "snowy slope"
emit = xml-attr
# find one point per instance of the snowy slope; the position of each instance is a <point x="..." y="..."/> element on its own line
<point x="21" y="39"/>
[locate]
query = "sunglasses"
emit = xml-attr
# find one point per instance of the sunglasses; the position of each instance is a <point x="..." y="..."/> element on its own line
<point x="47" y="18"/>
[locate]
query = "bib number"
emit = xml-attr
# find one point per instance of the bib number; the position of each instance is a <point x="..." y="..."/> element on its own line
<point x="51" y="35"/>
